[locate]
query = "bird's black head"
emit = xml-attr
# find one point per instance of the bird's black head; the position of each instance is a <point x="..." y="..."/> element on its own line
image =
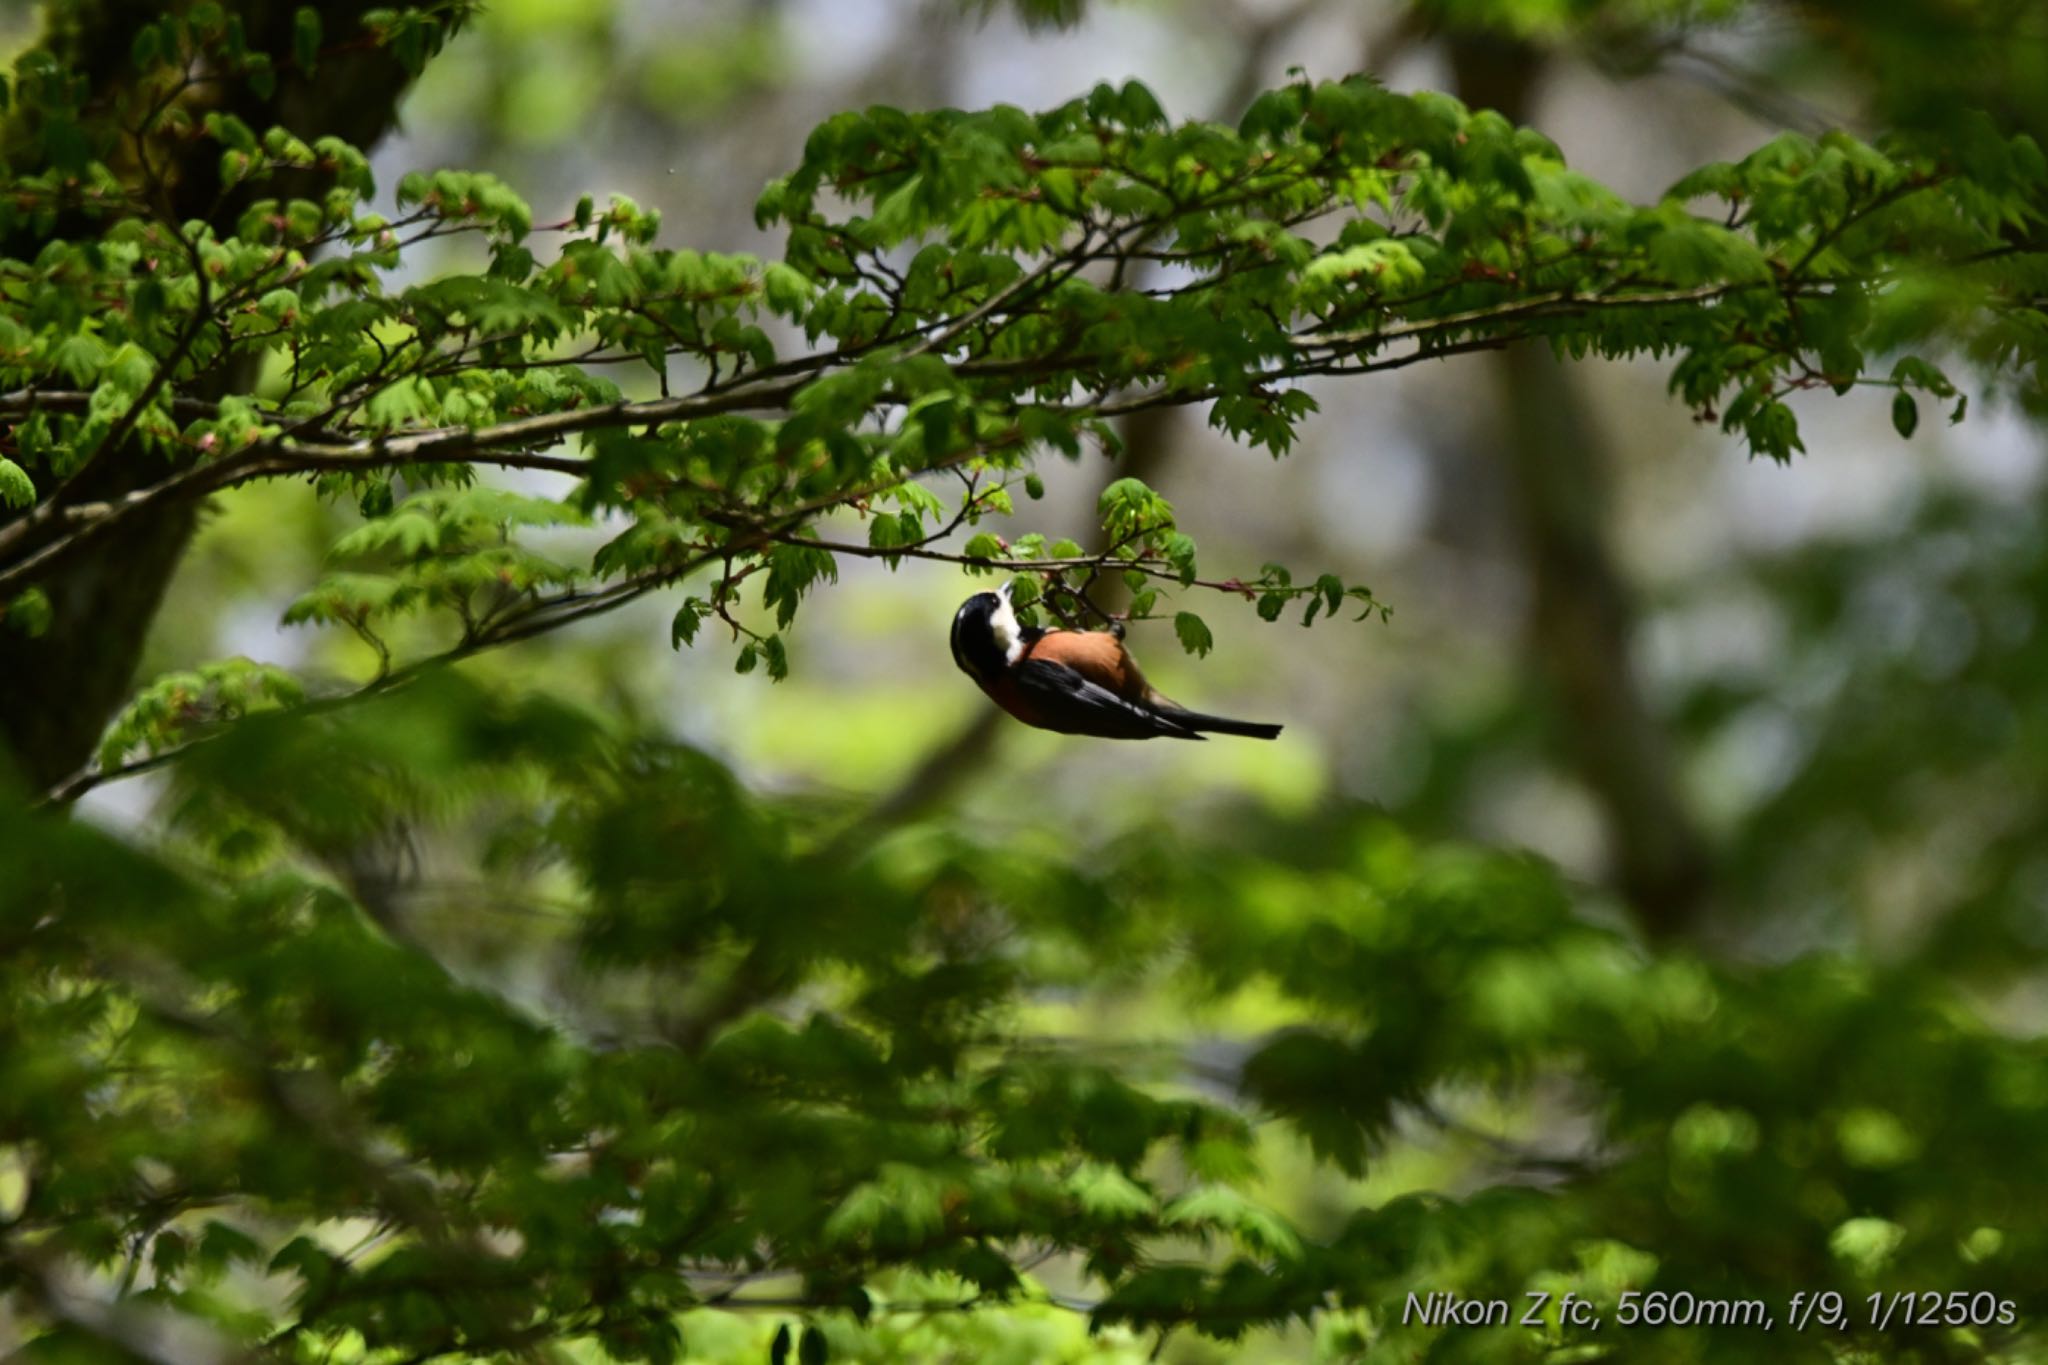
<point x="986" y="636"/>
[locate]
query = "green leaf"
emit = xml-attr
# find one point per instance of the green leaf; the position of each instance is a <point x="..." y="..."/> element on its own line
<point x="306" y="38"/>
<point x="1328" y="596"/>
<point x="16" y="488"/>
<point x="1107" y="1195"/>
<point x="1193" y="632"/>
<point x="1274" y="113"/>
<point x="29" y="612"/>
<point x="231" y="132"/>
<point x="688" y="618"/>
<point x="793" y="569"/>
<point x="1905" y="413"/>
<point x="1262" y="1230"/>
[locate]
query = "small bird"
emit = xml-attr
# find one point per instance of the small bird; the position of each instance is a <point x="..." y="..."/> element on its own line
<point x="1077" y="682"/>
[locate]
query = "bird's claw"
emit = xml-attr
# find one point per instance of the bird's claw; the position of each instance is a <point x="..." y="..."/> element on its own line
<point x="1052" y="604"/>
<point x="1054" y="591"/>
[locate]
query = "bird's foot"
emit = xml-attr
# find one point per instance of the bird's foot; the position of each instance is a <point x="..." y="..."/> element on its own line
<point x="1114" y="625"/>
<point x="1051" y="603"/>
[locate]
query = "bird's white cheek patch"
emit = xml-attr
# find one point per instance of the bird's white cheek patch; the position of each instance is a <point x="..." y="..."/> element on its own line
<point x="1002" y="623"/>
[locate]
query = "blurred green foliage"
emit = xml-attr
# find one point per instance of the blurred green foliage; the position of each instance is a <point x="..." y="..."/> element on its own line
<point x="832" y="1073"/>
<point x="438" y="1016"/>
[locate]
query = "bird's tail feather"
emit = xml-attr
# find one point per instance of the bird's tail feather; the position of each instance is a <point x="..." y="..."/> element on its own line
<point x="1251" y="729"/>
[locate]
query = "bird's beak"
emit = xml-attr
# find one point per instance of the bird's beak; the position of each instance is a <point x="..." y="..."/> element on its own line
<point x="1004" y="592"/>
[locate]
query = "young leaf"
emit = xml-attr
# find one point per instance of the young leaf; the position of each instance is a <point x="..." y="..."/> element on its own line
<point x="16" y="488"/>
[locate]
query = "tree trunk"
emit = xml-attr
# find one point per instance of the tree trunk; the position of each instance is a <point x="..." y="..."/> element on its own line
<point x="1582" y="619"/>
<point x="58" y="691"/>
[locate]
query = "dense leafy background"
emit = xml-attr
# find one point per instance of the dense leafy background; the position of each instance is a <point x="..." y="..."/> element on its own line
<point x="407" y="956"/>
